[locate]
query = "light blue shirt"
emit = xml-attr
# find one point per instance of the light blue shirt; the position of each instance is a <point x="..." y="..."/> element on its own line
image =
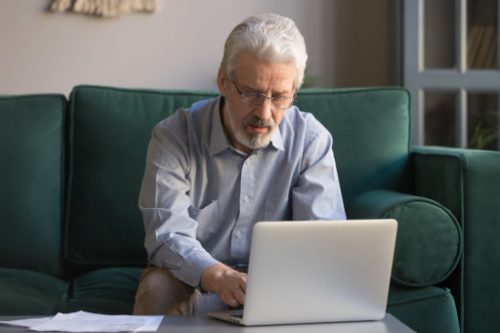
<point x="200" y="197"/>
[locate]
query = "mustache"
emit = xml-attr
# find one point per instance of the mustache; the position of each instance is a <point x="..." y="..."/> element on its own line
<point x="256" y="121"/>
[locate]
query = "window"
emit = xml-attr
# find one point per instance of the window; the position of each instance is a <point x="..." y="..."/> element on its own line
<point x="450" y="66"/>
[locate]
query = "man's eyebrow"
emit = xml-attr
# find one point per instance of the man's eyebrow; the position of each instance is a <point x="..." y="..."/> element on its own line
<point x="251" y="89"/>
<point x="284" y="92"/>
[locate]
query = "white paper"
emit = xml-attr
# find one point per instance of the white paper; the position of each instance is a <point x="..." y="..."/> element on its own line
<point x="26" y="322"/>
<point x="91" y="322"/>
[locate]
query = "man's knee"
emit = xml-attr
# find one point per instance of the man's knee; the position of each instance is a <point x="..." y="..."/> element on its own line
<point x="159" y="292"/>
<point x="158" y="280"/>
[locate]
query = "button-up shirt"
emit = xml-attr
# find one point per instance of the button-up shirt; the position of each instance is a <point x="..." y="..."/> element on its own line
<point x="200" y="197"/>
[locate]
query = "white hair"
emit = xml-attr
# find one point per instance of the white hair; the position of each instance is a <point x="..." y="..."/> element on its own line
<point x="269" y="37"/>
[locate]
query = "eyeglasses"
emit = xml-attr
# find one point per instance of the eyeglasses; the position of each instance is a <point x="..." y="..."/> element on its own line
<point x="256" y="98"/>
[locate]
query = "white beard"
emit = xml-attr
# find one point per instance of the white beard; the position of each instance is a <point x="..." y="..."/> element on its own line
<point x="249" y="140"/>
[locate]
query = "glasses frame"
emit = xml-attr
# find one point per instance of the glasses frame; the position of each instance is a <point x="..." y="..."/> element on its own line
<point x="246" y="96"/>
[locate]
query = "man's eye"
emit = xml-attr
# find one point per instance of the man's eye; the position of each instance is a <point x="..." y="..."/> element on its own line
<point x="252" y="94"/>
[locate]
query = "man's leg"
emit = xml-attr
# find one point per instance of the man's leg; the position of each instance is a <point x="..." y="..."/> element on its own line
<point x="160" y="293"/>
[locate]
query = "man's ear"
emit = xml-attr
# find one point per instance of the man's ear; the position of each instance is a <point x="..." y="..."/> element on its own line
<point x="221" y="82"/>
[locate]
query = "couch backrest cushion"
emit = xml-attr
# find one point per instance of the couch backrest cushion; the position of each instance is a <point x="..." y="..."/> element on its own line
<point x="31" y="181"/>
<point x="110" y="130"/>
<point x="371" y="135"/>
<point x="111" y="127"/>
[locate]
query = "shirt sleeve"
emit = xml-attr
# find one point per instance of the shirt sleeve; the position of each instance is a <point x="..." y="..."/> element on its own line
<point x="165" y="205"/>
<point x="317" y="194"/>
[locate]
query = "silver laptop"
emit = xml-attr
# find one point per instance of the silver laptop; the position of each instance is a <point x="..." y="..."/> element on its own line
<point x="317" y="271"/>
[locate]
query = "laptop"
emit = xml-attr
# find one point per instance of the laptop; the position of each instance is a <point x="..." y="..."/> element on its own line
<point x="317" y="272"/>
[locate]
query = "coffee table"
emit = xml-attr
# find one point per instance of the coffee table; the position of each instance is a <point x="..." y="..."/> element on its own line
<point x="179" y="324"/>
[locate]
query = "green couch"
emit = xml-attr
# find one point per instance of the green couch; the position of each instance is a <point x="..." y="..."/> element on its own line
<point x="72" y="235"/>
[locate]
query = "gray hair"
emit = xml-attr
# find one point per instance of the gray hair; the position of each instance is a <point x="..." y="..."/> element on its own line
<point x="267" y="36"/>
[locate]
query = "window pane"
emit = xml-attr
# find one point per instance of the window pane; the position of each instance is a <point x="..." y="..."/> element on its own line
<point x="482" y="34"/>
<point x="440" y="118"/>
<point x="483" y="121"/>
<point x="439" y="34"/>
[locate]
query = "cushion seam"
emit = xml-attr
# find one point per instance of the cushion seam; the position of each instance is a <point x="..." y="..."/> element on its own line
<point x="420" y="299"/>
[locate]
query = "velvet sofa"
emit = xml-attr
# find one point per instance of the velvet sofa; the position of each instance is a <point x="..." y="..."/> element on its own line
<point x="72" y="235"/>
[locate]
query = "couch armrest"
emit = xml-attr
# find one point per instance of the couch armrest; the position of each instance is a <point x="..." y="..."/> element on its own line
<point x="429" y="241"/>
<point x="468" y="183"/>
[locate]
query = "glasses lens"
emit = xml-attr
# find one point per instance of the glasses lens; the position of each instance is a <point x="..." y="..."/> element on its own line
<point x="282" y="102"/>
<point x="278" y="102"/>
<point x="253" y="99"/>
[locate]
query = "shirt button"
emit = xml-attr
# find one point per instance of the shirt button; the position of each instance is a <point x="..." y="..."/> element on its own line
<point x="246" y="199"/>
<point x="237" y="234"/>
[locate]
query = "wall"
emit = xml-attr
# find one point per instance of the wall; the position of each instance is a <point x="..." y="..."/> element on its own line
<point x="349" y="44"/>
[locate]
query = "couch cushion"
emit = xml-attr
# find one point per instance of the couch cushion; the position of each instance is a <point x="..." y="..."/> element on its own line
<point x="31" y="178"/>
<point x="110" y="131"/>
<point x="429" y="309"/>
<point x="107" y="290"/>
<point x="429" y="240"/>
<point x="30" y="293"/>
<point x="371" y="135"/>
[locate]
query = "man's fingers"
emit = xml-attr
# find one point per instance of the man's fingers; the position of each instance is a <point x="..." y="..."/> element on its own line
<point x="230" y="300"/>
<point x="234" y="296"/>
<point x="239" y="295"/>
<point x="243" y="282"/>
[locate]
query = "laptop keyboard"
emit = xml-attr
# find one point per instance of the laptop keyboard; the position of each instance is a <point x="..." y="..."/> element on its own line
<point x="237" y="313"/>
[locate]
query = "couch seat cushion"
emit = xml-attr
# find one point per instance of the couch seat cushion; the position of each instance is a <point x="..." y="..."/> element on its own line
<point x="106" y="290"/>
<point x="30" y="293"/>
<point x="428" y="309"/>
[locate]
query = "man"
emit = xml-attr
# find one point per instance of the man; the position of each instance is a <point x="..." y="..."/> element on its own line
<point x="217" y="168"/>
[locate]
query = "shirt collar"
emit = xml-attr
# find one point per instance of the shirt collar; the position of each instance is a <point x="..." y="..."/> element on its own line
<point x="218" y="139"/>
<point x="277" y="140"/>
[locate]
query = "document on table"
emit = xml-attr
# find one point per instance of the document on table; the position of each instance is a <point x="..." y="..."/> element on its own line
<point x="82" y="321"/>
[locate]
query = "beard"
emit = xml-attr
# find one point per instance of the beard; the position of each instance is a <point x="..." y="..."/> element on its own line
<point x="252" y="140"/>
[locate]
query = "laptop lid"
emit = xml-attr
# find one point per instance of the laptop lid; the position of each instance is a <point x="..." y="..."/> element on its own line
<point x="319" y="271"/>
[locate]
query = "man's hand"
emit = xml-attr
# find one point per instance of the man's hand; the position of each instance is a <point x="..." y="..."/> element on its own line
<point x="228" y="283"/>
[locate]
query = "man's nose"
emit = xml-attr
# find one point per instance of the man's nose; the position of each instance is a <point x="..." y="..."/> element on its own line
<point x="265" y="110"/>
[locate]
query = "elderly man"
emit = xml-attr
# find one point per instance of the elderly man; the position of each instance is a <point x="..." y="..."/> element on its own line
<point x="217" y="168"/>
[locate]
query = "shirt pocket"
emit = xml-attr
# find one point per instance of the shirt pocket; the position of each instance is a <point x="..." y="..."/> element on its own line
<point x="207" y="219"/>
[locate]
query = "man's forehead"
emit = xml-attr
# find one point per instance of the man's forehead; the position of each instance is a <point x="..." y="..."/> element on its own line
<point x="254" y="73"/>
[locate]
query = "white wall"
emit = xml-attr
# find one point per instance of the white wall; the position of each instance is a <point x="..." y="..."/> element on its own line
<point x="349" y="44"/>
